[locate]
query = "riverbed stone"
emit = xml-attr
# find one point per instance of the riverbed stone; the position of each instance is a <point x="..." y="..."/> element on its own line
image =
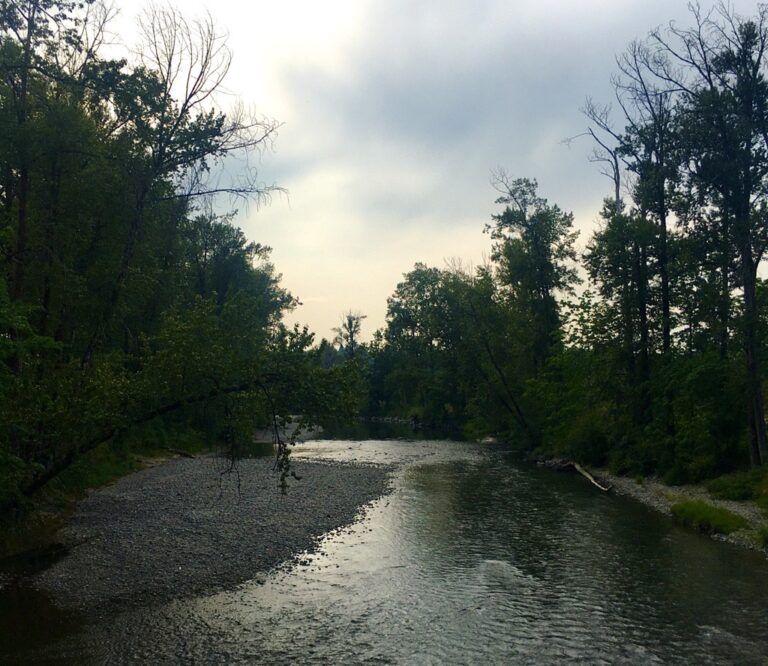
<point x="193" y="526"/>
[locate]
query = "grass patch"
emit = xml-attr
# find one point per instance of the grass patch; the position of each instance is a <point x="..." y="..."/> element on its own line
<point x="707" y="518"/>
<point x="762" y="536"/>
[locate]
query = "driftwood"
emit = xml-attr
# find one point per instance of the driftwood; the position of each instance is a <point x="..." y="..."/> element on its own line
<point x="567" y="465"/>
<point x="590" y="478"/>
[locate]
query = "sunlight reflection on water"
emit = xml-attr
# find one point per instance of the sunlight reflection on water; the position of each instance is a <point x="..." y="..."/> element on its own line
<point x="475" y="559"/>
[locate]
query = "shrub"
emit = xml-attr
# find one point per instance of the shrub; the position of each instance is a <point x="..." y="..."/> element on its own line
<point x="740" y="486"/>
<point x="96" y="468"/>
<point x="762" y="536"/>
<point x="707" y="518"/>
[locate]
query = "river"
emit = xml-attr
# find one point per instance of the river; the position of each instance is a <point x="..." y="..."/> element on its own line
<point x="474" y="557"/>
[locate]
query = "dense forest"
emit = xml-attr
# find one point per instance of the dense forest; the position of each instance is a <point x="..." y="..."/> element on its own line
<point x="130" y="299"/>
<point x="646" y="350"/>
<point x="127" y="297"/>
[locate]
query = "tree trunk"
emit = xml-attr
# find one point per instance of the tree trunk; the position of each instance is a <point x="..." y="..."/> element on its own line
<point x="628" y="323"/>
<point x="20" y="250"/>
<point x="640" y="276"/>
<point x="666" y="334"/>
<point x="724" y="308"/>
<point x="49" y="240"/>
<point x="129" y="251"/>
<point x="758" y="449"/>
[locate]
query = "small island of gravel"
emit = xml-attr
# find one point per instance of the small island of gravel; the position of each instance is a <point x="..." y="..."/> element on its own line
<point x="187" y="527"/>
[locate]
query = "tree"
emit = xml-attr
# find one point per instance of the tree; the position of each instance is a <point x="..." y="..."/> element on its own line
<point x="616" y="260"/>
<point x="649" y="144"/>
<point x="124" y="300"/>
<point x="348" y="333"/>
<point x="717" y="69"/>
<point x="177" y="134"/>
<point x="534" y="254"/>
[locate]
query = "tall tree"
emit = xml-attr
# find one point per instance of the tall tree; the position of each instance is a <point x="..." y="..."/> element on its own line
<point x="718" y="70"/>
<point x="534" y="252"/>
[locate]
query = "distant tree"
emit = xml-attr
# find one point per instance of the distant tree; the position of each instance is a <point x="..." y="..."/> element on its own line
<point x="348" y="333"/>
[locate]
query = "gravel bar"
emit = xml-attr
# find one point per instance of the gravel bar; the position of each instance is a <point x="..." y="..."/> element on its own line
<point x="187" y="527"/>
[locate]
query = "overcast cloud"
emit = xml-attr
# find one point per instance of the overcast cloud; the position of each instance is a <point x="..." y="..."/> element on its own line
<point x="395" y="112"/>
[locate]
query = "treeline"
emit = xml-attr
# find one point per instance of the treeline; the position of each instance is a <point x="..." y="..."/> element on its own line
<point x="125" y="298"/>
<point x="656" y="364"/>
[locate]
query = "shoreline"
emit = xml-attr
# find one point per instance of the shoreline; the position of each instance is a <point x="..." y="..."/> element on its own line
<point x="184" y="527"/>
<point x="660" y="497"/>
<point x="189" y="527"/>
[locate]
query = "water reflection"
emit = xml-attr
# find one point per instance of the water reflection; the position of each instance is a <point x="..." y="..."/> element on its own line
<point x="33" y="628"/>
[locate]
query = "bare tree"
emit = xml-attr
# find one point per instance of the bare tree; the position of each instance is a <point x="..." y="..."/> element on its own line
<point x="189" y="139"/>
<point x="607" y="142"/>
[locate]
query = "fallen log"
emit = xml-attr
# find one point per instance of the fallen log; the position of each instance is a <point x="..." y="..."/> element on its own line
<point x="590" y="478"/>
<point x="565" y="465"/>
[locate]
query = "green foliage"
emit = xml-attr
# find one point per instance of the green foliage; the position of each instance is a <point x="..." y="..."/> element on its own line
<point x="750" y="485"/>
<point x="96" y="468"/>
<point x="656" y="368"/>
<point x="707" y="518"/>
<point x="534" y="253"/>
<point x="14" y="472"/>
<point x="128" y="308"/>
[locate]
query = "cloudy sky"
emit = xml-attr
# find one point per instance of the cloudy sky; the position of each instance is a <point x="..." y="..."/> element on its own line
<point x="394" y="112"/>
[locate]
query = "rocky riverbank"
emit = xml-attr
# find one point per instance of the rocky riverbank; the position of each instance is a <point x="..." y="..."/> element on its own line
<point x="194" y="526"/>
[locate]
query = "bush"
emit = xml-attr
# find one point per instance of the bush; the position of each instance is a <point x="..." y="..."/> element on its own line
<point x="762" y="536"/>
<point x="707" y="518"/>
<point x="751" y="485"/>
<point x="98" y="467"/>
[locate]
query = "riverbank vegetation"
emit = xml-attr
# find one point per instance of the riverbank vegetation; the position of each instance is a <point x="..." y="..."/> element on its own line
<point x="127" y="295"/>
<point x="644" y="348"/>
<point x="707" y="518"/>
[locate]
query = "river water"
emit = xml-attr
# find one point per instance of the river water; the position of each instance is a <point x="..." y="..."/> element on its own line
<point x="473" y="558"/>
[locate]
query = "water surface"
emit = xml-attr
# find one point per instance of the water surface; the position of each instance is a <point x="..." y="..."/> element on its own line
<point x="473" y="558"/>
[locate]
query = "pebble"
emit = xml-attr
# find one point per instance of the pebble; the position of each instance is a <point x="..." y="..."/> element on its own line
<point x="141" y="545"/>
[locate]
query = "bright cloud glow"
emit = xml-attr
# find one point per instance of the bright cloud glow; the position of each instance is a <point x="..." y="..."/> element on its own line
<point x="394" y="114"/>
